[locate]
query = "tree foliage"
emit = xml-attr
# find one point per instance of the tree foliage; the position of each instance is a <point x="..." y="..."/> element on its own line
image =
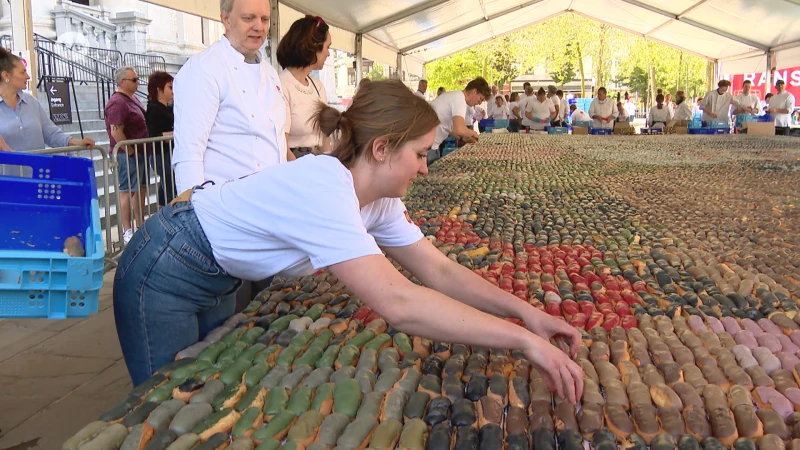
<point x="378" y="72"/>
<point x="572" y="47"/>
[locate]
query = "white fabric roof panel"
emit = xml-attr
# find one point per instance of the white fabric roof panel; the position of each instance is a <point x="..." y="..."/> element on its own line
<point x="499" y="26"/>
<point x="715" y="29"/>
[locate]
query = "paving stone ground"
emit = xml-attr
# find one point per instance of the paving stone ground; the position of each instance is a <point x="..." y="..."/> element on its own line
<point x="57" y="376"/>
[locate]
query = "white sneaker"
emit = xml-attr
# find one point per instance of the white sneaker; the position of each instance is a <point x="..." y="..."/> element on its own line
<point x="127" y="236"/>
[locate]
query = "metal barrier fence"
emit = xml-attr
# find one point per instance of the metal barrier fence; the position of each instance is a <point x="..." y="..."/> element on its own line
<point x="143" y="182"/>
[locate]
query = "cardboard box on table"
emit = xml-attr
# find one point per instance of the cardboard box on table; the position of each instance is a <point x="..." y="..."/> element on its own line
<point x="678" y="126"/>
<point x="622" y="128"/>
<point x="580" y="130"/>
<point x="760" y="128"/>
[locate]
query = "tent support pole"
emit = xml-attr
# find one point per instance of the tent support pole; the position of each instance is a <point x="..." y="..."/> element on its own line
<point x="400" y="74"/>
<point x="274" y="33"/>
<point x="768" y="73"/>
<point x="359" y="56"/>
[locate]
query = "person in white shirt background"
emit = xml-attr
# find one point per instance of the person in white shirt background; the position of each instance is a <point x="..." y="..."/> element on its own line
<point x="696" y="109"/>
<point x="523" y="95"/>
<point x="523" y="107"/>
<point x="555" y="99"/>
<point x="440" y="91"/>
<point x="781" y="107"/>
<point x="578" y="115"/>
<point x="659" y="114"/>
<point x="746" y="103"/>
<point x="451" y="107"/>
<point x="540" y="110"/>
<point x="514" y="113"/>
<point x="668" y="103"/>
<point x="630" y="109"/>
<point x="563" y="108"/>
<point x="603" y="110"/>
<point x="623" y="115"/>
<point x="478" y="114"/>
<point x="230" y="112"/>
<point x="422" y="88"/>
<point x="304" y="48"/>
<point x="682" y="109"/>
<point x="716" y="104"/>
<point x="764" y="104"/>
<point x="500" y="109"/>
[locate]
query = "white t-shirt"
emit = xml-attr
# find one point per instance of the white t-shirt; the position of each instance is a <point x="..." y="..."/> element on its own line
<point x="447" y="106"/>
<point x="683" y="112"/>
<point x="562" y="113"/>
<point x="603" y="108"/>
<point x="743" y="101"/>
<point x="419" y="94"/>
<point x="781" y="101"/>
<point x="296" y="218"/>
<point x="540" y="110"/>
<point x="302" y="102"/>
<point x="556" y="101"/>
<point x="719" y="104"/>
<point x="511" y="107"/>
<point x="500" y="112"/>
<point x="629" y="108"/>
<point x="659" y="116"/>
<point x="580" y="115"/>
<point x="477" y="113"/>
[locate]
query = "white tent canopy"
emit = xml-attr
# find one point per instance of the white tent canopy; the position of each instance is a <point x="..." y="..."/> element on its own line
<point x="413" y="32"/>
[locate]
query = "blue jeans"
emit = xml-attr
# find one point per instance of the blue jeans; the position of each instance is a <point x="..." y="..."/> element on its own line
<point x="168" y="290"/>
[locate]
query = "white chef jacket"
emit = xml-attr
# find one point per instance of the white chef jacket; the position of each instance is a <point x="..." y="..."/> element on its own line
<point x="603" y="108"/>
<point x="226" y="126"/>
<point x="659" y="116"/>
<point x="683" y="112"/>
<point x="781" y="101"/>
<point x="719" y="104"/>
<point x="743" y="101"/>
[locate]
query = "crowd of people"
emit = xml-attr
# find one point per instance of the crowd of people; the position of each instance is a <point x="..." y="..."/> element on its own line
<point x="537" y="109"/>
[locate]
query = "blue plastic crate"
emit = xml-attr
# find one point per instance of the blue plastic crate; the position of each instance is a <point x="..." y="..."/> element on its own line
<point x="601" y="131"/>
<point x="766" y="118"/>
<point x="557" y="130"/>
<point x="46" y="200"/>
<point x="719" y="131"/>
<point x="486" y="123"/>
<point x="500" y="124"/>
<point x="698" y="130"/>
<point x="582" y="123"/>
<point x="718" y="124"/>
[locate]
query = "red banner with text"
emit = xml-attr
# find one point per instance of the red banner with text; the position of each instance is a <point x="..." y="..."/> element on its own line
<point x="791" y="76"/>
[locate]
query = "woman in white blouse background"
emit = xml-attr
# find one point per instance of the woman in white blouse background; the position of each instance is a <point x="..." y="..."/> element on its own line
<point x="660" y="114"/>
<point x="175" y="281"/>
<point x="304" y="48"/>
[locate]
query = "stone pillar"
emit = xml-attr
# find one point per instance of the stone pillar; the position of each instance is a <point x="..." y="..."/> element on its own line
<point x="131" y="31"/>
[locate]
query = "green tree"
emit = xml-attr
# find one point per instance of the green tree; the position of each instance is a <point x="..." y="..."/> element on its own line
<point x="378" y="72"/>
<point x="564" y="70"/>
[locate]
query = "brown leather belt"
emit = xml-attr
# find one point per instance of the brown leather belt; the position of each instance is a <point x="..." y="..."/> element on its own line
<point x="186" y="196"/>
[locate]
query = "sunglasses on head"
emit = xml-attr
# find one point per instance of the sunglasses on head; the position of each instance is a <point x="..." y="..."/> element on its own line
<point x="319" y="21"/>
